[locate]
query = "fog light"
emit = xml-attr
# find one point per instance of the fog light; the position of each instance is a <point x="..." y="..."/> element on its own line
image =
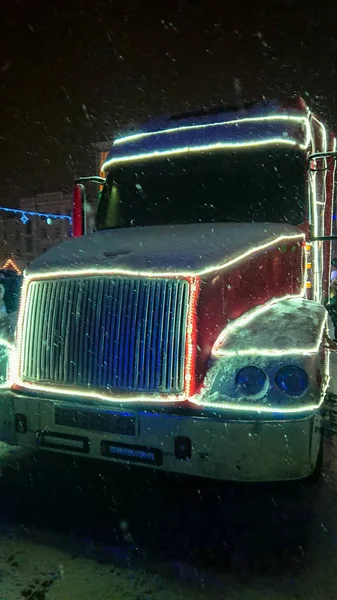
<point x="20" y="423"/>
<point x="62" y="441"/>
<point x="183" y="448"/>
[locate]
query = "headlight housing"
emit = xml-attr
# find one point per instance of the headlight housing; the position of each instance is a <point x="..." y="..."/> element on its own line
<point x="252" y="382"/>
<point x="292" y="380"/>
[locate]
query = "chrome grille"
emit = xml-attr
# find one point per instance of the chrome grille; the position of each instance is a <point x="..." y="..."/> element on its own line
<point x="106" y="332"/>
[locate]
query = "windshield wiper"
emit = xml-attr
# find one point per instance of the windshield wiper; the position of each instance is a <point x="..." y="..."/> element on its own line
<point x="231" y="220"/>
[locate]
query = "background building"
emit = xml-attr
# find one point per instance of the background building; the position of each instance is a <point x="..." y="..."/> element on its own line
<point x="27" y="236"/>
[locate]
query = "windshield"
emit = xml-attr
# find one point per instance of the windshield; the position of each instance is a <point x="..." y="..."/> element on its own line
<point x="264" y="184"/>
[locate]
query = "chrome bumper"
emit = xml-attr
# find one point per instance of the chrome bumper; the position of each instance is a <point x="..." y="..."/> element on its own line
<point x="221" y="447"/>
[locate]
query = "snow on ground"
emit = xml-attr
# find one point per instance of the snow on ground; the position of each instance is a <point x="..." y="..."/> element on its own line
<point x="185" y="538"/>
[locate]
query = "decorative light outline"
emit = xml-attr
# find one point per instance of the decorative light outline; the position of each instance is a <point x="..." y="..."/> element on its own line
<point x="11" y="261"/>
<point x="203" y="148"/>
<point x="327" y="364"/>
<point x="94" y="395"/>
<point x="317" y="223"/>
<point x="321" y="218"/>
<point x="143" y="134"/>
<point x="270" y="410"/>
<point x="191" y="323"/>
<point x="334" y="144"/>
<point x="249" y="316"/>
<point x="255" y="407"/>
<point x="261" y="409"/>
<point x="166" y="274"/>
<point x="191" y="337"/>
<point x="17" y="382"/>
<point x="204" y="271"/>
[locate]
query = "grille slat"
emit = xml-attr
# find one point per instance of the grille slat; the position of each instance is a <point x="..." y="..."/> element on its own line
<point x="149" y="334"/>
<point x="170" y="356"/>
<point x="30" y="298"/>
<point x="83" y="364"/>
<point x="119" y="333"/>
<point x="79" y="329"/>
<point x="45" y="355"/>
<point x="52" y="335"/>
<point x="93" y="335"/>
<point x="73" y="332"/>
<point x="142" y="338"/>
<point x="181" y="317"/>
<point x="123" y="339"/>
<point x="104" y="292"/>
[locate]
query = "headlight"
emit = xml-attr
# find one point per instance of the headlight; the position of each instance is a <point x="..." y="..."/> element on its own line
<point x="252" y="381"/>
<point x="292" y="380"/>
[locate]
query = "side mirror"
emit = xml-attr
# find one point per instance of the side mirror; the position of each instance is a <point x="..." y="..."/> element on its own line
<point x="78" y="220"/>
<point x="79" y="203"/>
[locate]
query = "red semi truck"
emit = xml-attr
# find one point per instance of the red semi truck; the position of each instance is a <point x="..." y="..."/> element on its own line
<point x="186" y="333"/>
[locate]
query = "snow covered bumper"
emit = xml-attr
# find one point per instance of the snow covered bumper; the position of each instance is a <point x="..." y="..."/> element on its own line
<point x="207" y="444"/>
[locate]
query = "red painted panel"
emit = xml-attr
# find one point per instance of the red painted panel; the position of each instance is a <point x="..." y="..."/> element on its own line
<point x="77" y="218"/>
<point x="228" y="294"/>
<point x="329" y="208"/>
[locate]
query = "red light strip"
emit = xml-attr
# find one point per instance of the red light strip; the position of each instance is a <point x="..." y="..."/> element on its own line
<point x="191" y="342"/>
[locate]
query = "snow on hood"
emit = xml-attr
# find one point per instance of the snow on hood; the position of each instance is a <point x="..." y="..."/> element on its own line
<point x="160" y="248"/>
<point x="274" y="328"/>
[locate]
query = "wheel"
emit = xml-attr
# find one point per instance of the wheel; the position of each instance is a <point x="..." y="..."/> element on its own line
<point x="317" y="472"/>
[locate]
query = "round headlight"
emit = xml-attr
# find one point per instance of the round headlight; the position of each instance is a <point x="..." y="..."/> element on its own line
<point x="292" y="380"/>
<point x="252" y="381"/>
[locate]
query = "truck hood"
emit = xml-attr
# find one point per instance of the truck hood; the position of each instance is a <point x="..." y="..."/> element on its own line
<point x="165" y="249"/>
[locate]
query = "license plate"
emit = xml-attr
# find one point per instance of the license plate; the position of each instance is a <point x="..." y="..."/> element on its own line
<point x="97" y="420"/>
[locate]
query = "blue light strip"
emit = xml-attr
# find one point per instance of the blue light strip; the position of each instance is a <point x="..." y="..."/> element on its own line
<point x="31" y="213"/>
<point x="131" y="452"/>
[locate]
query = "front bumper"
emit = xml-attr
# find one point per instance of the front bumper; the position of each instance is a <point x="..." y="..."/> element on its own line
<point x="248" y="448"/>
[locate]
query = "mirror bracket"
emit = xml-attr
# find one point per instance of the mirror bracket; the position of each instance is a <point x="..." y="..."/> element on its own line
<point x="92" y="179"/>
<point x="324" y="238"/>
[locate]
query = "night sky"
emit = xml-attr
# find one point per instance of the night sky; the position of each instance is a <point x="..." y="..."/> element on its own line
<point x="72" y="72"/>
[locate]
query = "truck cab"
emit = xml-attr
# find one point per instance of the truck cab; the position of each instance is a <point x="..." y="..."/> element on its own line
<point x="187" y="333"/>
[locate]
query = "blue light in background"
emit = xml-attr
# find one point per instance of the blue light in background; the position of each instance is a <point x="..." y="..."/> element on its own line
<point x="24" y="215"/>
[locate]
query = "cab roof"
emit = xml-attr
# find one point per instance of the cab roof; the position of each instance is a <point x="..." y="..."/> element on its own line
<point x="255" y="123"/>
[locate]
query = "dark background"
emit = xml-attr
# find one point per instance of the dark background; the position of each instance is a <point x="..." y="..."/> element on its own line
<point x="72" y="72"/>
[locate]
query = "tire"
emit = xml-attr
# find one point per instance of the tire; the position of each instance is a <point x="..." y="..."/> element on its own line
<point x="317" y="472"/>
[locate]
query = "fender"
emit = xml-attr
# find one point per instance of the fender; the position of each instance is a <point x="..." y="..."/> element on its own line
<point x="281" y="333"/>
